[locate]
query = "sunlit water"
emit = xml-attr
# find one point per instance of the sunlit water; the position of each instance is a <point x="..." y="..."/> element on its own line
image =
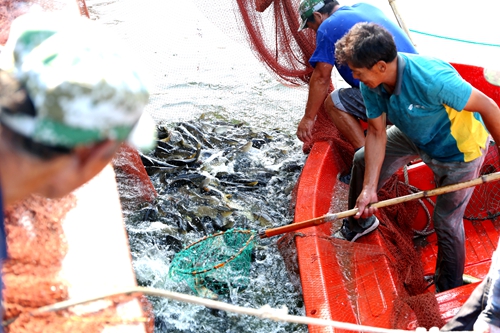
<point x="195" y="71"/>
<point x="186" y="211"/>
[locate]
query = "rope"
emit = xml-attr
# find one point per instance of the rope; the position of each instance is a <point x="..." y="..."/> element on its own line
<point x="454" y="39"/>
<point x="265" y="312"/>
<point x="414" y="189"/>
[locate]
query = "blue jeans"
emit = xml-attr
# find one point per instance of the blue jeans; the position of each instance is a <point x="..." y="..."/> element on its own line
<point x="449" y="209"/>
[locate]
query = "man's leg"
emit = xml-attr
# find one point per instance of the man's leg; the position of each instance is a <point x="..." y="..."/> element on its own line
<point x="467" y="315"/>
<point x="345" y="106"/>
<point x="399" y="152"/>
<point x="448" y="219"/>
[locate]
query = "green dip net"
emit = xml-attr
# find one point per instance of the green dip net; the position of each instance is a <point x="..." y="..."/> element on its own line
<point x="215" y="263"/>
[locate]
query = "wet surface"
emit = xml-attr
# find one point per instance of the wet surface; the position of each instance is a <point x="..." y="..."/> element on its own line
<point x="237" y="168"/>
<point x="217" y="176"/>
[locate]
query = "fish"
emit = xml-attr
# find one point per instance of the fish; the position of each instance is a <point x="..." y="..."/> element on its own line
<point x="179" y="153"/>
<point x="291" y="167"/>
<point x="163" y="171"/>
<point x="200" y="199"/>
<point x="207" y="211"/>
<point x="467" y="279"/>
<point x="263" y="219"/>
<point x="237" y="179"/>
<point x="246" y="147"/>
<point x="188" y="178"/>
<point x="203" y="291"/>
<point x="164" y="145"/>
<point x="218" y="193"/>
<point x="224" y="141"/>
<point x="222" y="129"/>
<point x="162" y="132"/>
<point x="196" y="132"/>
<point x="188" y="135"/>
<point x="149" y="161"/>
<point x="240" y="187"/>
<point x="188" y="161"/>
<point x="174" y="137"/>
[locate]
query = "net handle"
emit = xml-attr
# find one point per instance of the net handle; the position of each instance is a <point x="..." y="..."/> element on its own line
<point x="385" y="203"/>
<point x="249" y="241"/>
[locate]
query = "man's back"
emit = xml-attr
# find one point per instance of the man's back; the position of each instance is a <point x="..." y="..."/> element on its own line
<point x="340" y="22"/>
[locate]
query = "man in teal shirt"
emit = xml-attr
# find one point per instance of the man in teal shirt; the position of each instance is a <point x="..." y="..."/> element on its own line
<point x="437" y="116"/>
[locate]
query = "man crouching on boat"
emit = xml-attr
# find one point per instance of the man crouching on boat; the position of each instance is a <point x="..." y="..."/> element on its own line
<point x="438" y="117"/>
<point x="68" y="99"/>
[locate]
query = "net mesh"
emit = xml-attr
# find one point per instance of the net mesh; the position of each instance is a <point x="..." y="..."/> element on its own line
<point x="222" y="261"/>
<point x="216" y="263"/>
<point x="485" y="201"/>
<point x="364" y="270"/>
<point x="275" y="39"/>
<point x="271" y="31"/>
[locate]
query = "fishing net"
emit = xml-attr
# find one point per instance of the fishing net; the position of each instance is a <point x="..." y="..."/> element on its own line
<point x="270" y="28"/>
<point x="478" y="208"/>
<point x="215" y="263"/>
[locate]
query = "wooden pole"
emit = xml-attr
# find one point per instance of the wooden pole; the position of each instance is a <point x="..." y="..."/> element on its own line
<point x="422" y="194"/>
<point x="400" y="20"/>
<point x="265" y="312"/>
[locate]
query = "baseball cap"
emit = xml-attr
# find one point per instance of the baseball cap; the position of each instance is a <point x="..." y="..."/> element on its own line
<point x="307" y="8"/>
<point x="83" y="84"/>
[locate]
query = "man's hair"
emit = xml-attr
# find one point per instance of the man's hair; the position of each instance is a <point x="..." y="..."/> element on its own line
<point x="326" y="9"/>
<point x="365" y="45"/>
<point x="14" y="99"/>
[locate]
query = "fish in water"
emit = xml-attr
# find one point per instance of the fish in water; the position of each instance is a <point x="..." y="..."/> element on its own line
<point x="216" y="176"/>
<point x="203" y="291"/>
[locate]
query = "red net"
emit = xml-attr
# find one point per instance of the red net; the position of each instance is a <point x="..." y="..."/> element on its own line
<point x="485" y="201"/>
<point x="274" y="37"/>
<point x="384" y="278"/>
<point x="271" y="30"/>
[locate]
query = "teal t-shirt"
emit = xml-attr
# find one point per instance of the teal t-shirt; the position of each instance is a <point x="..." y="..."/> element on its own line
<point x="427" y="105"/>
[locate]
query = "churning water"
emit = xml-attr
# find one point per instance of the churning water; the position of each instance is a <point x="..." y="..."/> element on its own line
<point x="200" y="78"/>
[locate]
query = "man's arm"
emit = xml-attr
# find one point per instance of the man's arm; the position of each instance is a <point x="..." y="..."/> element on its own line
<point x="488" y="110"/>
<point x="318" y="91"/>
<point x="376" y="139"/>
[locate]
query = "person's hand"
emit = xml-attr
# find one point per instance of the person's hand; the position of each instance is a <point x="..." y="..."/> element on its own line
<point x="366" y="197"/>
<point x="481" y="326"/>
<point x="304" y="130"/>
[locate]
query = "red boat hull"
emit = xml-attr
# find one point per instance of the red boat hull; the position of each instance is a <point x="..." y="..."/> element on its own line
<point x="376" y="284"/>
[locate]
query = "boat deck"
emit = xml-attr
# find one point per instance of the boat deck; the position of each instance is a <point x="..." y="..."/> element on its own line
<point x="364" y="282"/>
<point x="481" y="235"/>
<point x="358" y="283"/>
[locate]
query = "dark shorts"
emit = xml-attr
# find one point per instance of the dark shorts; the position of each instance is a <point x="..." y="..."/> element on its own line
<point x="351" y="101"/>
